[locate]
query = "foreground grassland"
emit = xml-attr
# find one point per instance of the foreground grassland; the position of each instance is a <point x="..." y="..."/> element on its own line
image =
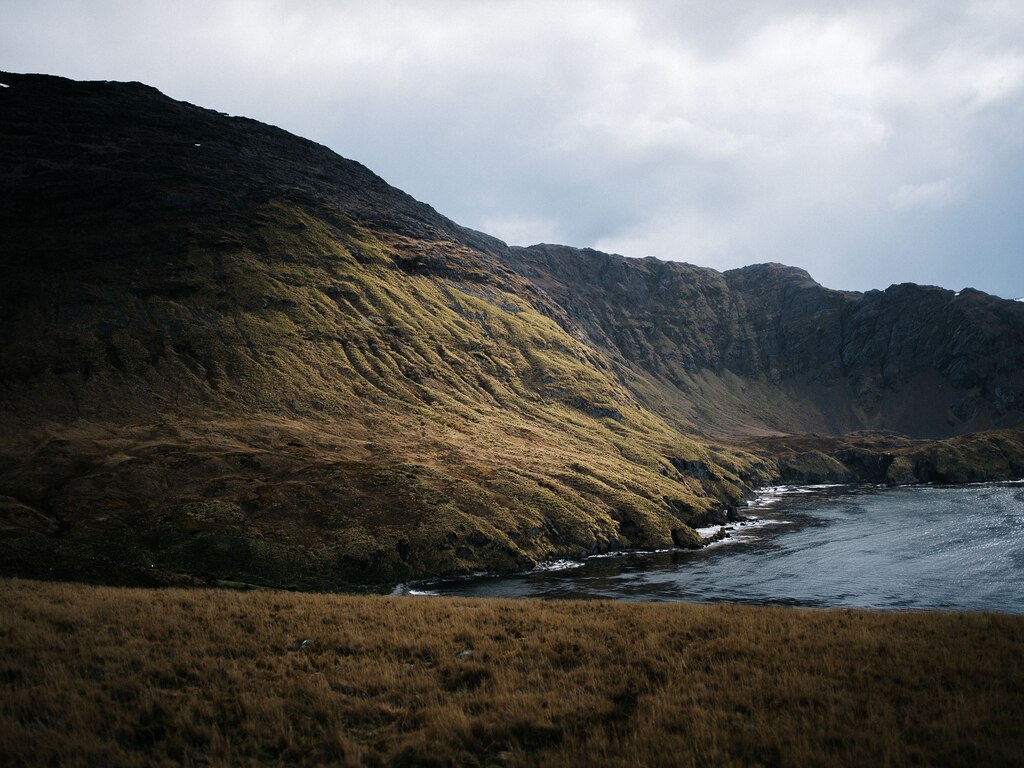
<point x="107" y="676"/>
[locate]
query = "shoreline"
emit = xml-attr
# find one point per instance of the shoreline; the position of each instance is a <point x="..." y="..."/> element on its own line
<point x="711" y="537"/>
<point x="661" y="574"/>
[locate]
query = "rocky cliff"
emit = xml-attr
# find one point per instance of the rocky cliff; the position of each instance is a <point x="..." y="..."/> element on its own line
<point x="227" y="353"/>
<point x="916" y="359"/>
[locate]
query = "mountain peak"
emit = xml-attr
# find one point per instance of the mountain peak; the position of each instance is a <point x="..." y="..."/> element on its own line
<point x="775" y="272"/>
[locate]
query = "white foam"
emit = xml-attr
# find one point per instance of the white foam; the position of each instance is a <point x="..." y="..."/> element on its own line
<point x="711" y="530"/>
<point x="404" y="590"/>
<point x="764" y="500"/>
<point x="5" y="85"/>
<point x="719" y="543"/>
<point x="747" y="524"/>
<point x="736" y="531"/>
<point x="772" y="494"/>
<point x="558" y="565"/>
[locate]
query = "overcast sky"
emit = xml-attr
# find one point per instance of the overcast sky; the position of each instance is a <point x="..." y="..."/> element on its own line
<point x="869" y="142"/>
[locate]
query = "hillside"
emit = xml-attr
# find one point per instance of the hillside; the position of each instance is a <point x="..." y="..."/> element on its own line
<point x="140" y="677"/>
<point x="765" y="347"/>
<point x="227" y="353"/>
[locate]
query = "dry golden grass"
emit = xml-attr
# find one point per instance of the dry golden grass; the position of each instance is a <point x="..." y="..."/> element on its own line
<point x="324" y="417"/>
<point x="107" y="676"/>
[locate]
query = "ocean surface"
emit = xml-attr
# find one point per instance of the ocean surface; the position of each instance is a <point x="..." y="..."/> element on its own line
<point x="958" y="548"/>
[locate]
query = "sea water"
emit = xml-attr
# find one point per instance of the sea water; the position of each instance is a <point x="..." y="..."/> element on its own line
<point x="926" y="547"/>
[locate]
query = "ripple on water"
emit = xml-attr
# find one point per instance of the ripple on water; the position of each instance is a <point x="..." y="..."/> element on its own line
<point x="901" y="548"/>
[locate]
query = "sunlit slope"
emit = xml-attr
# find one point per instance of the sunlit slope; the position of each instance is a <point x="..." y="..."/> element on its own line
<point x="283" y="385"/>
<point x="287" y="383"/>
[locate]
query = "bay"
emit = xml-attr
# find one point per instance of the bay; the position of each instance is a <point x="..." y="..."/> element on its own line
<point x="931" y="547"/>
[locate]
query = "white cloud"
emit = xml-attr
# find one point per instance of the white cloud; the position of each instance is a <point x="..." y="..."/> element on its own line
<point x="932" y="194"/>
<point x="516" y="230"/>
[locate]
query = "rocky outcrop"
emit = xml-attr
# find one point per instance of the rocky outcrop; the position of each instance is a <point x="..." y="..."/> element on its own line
<point x="892" y="459"/>
<point x="920" y="360"/>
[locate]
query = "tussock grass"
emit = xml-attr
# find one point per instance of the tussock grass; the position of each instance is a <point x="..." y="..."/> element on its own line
<point x="105" y="676"/>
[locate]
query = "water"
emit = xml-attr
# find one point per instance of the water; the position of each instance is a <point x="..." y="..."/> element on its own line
<point x="895" y="548"/>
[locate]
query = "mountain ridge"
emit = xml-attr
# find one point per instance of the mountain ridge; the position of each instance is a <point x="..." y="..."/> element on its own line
<point x="228" y="353"/>
<point x="714" y="329"/>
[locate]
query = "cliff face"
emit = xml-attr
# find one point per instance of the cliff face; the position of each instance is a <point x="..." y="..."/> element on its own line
<point x="228" y="353"/>
<point x="916" y="359"/>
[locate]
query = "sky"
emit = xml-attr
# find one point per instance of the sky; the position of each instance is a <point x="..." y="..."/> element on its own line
<point x="868" y="142"/>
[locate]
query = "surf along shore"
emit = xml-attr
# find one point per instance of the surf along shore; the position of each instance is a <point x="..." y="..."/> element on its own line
<point x="739" y="523"/>
<point x="100" y="675"/>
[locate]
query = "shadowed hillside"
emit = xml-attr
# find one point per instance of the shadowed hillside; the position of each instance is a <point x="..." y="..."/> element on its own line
<point x="227" y="353"/>
<point x="767" y="348"/>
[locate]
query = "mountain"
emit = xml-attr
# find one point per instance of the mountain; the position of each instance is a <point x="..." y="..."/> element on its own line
<point x="767" y="348"/>
<point x="228" y="354"/>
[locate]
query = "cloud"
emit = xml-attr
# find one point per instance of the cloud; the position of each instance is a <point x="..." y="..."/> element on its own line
<point x="723" y="133"/>
<point x="522" y="231"/>
<point x="932" y="194"/>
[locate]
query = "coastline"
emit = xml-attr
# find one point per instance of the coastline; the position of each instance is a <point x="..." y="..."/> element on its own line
<point x="869" y="546"/>
<point x="712" y="536"/>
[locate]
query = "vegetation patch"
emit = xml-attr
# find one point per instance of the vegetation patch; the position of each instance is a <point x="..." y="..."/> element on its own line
<point x="166" y="677"/>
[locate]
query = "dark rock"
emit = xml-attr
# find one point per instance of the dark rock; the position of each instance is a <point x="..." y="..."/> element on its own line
<point x="403" y="549"/>
<point x="867" y="466"/>
<point x="684" y="538"/>
<point x="917" y="359"/>
<point x="696" y="468"/>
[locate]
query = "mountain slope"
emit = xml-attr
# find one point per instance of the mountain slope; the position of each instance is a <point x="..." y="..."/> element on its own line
<point x="310" y="378"/>
<point x="767" y="348"/>
<point x="228" y="353"/>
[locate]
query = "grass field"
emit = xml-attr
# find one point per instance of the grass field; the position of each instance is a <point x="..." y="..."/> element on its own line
<point x="108" y="676"/>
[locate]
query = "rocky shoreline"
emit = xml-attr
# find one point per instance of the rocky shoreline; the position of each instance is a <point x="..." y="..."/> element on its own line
<point x="736" y="522"/>
<point x="214" y="545"/>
